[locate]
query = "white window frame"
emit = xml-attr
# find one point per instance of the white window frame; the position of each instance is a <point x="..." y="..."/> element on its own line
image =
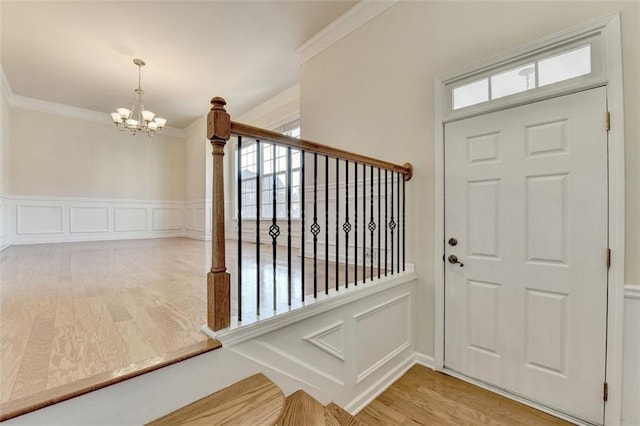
<point x="605" y="33"/>
<point x="266" y="212"/>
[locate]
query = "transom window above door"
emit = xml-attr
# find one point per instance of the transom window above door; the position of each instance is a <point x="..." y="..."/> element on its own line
<point x="538" y="73"/>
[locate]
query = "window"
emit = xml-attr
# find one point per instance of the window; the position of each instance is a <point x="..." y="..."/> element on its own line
<point x="542" y="72"/>
<point x="273" y="164"/>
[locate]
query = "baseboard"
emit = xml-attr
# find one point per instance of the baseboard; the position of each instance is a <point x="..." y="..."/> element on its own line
<point x="632" y="291"/>
<point x="425" y="360"/>
<point x="373" y="391"/>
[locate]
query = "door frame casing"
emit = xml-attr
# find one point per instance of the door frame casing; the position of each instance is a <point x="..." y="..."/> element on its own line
<point x="608" y="29"/>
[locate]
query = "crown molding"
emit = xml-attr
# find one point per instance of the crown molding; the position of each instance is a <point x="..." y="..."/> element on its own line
<point x="348" y="22"/>
<point x="39" y="105"/>
<point x="281" y="99"/>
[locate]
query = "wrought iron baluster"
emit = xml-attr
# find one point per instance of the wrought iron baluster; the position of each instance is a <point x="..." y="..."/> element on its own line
<point x="303" y="207"/>
<point x="386" y="221"/>
<point x="372" y="226"/>
<point x="364" y="223"/>
<point x="258" y="210"/>
<point x="326" y="224"/>
<point x="315" y="228"/>
<point x="289" y="177"/>
<point x="337" y="224"/>
<point x="239" y="190"/>
<point x="346" y="227"/>
<point x="404" y="223"/>
<point x="379" y="227"/>
<point x="398" y="218"/>
<point x="355" y="223"/>
<point x="392" y="224"/>
<point x="274" y="229"/>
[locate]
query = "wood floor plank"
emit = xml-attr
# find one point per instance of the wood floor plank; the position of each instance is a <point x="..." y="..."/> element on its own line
<point x="252" y="401"/>
<point x="34" y="366"/>
<point x="422" y="396"/>
<point x="52" y="396"/>
<point x="302" y="409"/>
<point x="157" y="285"/>
<point x="343" y="418"/>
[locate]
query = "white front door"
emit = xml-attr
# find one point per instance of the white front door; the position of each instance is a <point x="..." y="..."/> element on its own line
<point x="526" y="200"/>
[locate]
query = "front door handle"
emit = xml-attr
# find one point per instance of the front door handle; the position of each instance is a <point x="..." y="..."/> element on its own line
<point x="453" y="259"/>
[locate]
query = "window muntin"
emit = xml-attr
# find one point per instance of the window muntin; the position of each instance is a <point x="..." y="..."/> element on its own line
<point x="515" y="80"/>
<point x="270" y="165"/>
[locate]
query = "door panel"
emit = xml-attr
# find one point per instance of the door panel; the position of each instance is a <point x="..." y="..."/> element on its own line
<point x="526" y="198"/>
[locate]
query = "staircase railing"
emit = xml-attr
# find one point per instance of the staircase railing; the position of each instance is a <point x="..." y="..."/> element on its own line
<point x="364" y="197"/>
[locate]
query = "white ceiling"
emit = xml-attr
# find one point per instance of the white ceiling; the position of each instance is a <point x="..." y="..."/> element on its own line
<point x="80" y="53"/>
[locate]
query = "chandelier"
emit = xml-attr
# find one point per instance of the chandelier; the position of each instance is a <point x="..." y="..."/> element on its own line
<point x="137" y="119"/>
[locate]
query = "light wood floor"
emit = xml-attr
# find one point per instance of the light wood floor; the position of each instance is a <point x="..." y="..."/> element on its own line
<point x="71" y="311"/>
<point x="76" y="310"/>
<point x="424" y="397"/>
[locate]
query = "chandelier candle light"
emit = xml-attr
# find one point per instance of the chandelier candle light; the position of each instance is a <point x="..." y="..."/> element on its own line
<point x="137" y="119"/>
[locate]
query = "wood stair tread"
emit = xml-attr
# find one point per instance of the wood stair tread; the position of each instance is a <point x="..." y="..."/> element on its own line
<point x="342" y="416"/>
<point x="251" y="401"/>
<point x="302" y="409"/>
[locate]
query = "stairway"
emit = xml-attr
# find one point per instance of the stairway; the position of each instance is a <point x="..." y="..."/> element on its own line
<point x="256" y="400"/>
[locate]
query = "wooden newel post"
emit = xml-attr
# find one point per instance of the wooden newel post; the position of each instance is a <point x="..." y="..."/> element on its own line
<point x="218" y="279"/>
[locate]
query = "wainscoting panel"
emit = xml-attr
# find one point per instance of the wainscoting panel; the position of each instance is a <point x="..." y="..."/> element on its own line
<point x="166" y="218"/>
<point x="41" y="219"/>
<point x="351" y="350"/>
<point x="4" y="222"/>
<point x="130" y="219"/>
<point x="88" y="219"/>
<point x="394" y="314"/>
<point x="198" y="219"/>
<point x="34" y="219"/>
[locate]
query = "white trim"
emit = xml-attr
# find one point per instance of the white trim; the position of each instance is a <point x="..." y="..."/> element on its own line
<point x="425" y="360"/>
<point x="632" y="291"/>
<point x="90" y="200"/>
<point x="609" y="26"/>
<point x="288" y="95"/>
<point x="365" y="397"/>
<point x="406" y="344"/>
<point x="352" y="19"/>
<point x="62" y="110"/>
<point x="597" y="30"/>
<point x="615" y="308"/>
<point x="314" y="339"/>
<point x="240" y="333"/>
<point x="517" y="398"/>
<point x="157" y="219"/>
<point x="375" y="367"/>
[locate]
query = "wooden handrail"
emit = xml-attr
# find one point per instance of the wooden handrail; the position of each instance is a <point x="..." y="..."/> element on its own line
<point x="246" y="130"/>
